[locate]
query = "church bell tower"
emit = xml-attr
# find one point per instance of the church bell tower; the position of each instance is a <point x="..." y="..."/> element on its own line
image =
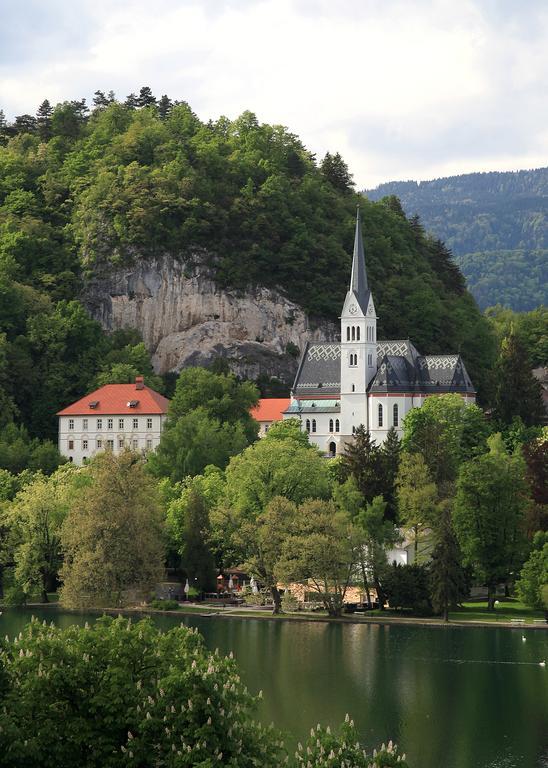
<point x="358" y="342"/>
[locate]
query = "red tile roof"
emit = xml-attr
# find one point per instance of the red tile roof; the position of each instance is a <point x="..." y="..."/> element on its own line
<point x="115" y="398"/>
<point x="270" y="408"/>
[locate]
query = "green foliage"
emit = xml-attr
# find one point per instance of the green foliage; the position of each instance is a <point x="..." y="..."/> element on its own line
<point x="495" y="224"/>
<point x="165" y="605"/>
<point x="517" y="392"/>
<point x="119" y="694"/>
<point x="320" y="548"/>
<point x="531" y="328"/>
<point x="34" y="520"/>
<point x="448" y="584"/>
<point x="417" y="496"/>
<point x="112" y="537"/>
<point x="407" y="586"/>
<point x="446" y="431"/>
<point x="324" y="749"/>
<point x="533" y="579"/>
<point x="488" y="515"/>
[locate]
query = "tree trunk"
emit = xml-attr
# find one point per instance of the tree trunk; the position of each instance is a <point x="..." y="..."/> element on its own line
<point x="365" y="582"/>
<point x="446" y="611"/>
<point x="490" y="598"/>
<point x="381" y="597"/>
<point x="277" y="599"/>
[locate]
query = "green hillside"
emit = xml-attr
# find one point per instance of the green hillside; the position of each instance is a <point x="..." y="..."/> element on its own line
<point x="81" y="190"/>
<point x="496" y="225"/>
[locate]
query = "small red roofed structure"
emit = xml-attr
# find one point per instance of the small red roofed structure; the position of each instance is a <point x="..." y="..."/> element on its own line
<point x="113" y="417"/>
<point x="269" y="410"/>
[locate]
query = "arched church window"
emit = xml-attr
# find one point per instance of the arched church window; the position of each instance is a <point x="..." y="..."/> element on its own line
<point x="396" y="415"/>
<point x="358" y="333"/>
<point x="348" y="333"/>
<point x="370" y="361"/>
<point x="337" y="425"/>
<point x="308" y="425"/>
<point x="353" y="333"/>
<point x="353" y="387"/>
<point x="313" y="425"/>
<point x="380" y="415"/>
<point x="331" y="425"/>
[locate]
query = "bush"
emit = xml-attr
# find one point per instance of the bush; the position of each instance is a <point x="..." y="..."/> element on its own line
<point x="164" y="605"/>
<point x="118" y="694"/>
<point x="289" y="603"/>
<point x="15" y="595"/>
<point x="407" y="586"/>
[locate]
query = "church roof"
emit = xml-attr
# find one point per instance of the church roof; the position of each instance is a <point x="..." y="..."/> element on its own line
<point x="401" y="368"/>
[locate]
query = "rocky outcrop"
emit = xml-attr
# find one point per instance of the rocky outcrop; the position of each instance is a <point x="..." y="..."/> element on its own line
<point x="186" y="319"/>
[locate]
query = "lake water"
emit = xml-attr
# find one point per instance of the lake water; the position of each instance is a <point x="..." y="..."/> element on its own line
<point x="450" y="697"/>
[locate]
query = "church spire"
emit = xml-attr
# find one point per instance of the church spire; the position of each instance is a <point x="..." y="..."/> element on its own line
<point x="358" y="281"/>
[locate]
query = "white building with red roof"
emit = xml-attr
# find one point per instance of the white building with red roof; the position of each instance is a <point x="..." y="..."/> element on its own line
<point x="268" y="410"/>
<point x="113" y="417"/>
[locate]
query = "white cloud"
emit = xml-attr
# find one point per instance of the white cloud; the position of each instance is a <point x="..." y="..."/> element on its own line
<point x="402" y="88"/>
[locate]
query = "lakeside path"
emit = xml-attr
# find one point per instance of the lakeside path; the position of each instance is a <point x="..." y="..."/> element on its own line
<point x="245" y="613"/>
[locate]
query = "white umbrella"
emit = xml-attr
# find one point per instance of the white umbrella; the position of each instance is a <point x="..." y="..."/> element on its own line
<point x="230" y="583"/>
<point x="254" y="587"/>
<point x="187" y="588"/>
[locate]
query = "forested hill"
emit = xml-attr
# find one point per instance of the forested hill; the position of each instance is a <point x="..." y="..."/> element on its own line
<point x="496" y="225"/>
<point x="83" y="189"/>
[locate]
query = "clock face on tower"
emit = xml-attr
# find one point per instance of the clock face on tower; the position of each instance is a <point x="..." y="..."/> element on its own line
<point x="352" y="309"/>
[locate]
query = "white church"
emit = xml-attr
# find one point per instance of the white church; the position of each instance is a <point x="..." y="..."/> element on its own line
<point x="362" y="380"/>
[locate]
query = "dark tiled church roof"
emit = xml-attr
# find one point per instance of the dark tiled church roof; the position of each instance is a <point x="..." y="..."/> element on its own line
<point x="400" y="369"/>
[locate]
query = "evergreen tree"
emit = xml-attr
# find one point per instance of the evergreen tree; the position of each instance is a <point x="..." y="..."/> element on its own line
<point x="24" y="124"/>
<point x="517" y="393"/>
<point x="100" y="101"/>
<point x="132" y="101"/>
<point x="165" y="106"/>
<point x="4" y="129"/>
<point x="197" y="559"/>
<point x="43" y="120"/>
<point x="363" y="460"/>
<point x="447" y="576"/>
<point x="146" y="97"/>
<point x="390" y="463"/>
<point x="336" y="172"/>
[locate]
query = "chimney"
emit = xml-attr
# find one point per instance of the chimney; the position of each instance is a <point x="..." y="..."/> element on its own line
<point x="139" y="382"/>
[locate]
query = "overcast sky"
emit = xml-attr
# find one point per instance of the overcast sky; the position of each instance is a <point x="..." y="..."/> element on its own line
<point x="411" y="89"/>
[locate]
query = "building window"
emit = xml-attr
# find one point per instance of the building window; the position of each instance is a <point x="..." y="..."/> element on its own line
<point x="308" y="425"/>
<point x="84" y="445"/>
<point x="331" y="425"/>
<point x="149" y="423"/>
<point x="370" y="361"/>
<point x="353" y="333"/>
<point x="266" y="427"/>
<point x="353" y="360"/>
<point x="120" y="442"/>
<point x="358" y="333"/>
<point x="353" y="430"/>
<point x="337" y="425"/>
<point x="380" y="415"/>
<point x="135" y="444"/>
<point x="71" y="423"/>
<point x="353" y="387"/>
<point x="99" y="443"/>
<point x="313" y="425"/>
<point x="99" y="423"/>
<point x="110" y="444"/>
<point x="110" y="423"/>
<point x="149" y="444"/>
<point x="396" y="415"/>
<point x="348" y="333"/>
<point x="120" y="423"/>
<point x="84" y="424"/>
<point x="135" y="423"/>
<point x="71" y="445"/>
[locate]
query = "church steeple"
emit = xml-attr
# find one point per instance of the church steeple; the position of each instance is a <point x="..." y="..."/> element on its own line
<point x="358" y="291"/>
<point x="358" y="281"/>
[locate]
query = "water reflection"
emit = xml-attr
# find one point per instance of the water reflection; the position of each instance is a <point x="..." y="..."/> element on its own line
<point x="452" y="697"/>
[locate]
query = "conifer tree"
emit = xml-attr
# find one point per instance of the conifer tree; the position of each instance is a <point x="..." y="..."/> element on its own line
<point x="197" y="559"/>
<point x="363" y="461"/>
<point x="518" y="393"/>
<point x="165" y="106"/>
<point x="4" y="129"/>
<point x="100" y="100"/>
<point x="447" y="576"/>
<point x="336" y="172"/>
<point x="390" y="462"/>
<point x="43" y="120"/>
<point x="146" y="97"/>
<point x="132" y="101"/>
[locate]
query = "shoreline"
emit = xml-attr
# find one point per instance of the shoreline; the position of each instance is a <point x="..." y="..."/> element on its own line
<point x="262" y="616"/>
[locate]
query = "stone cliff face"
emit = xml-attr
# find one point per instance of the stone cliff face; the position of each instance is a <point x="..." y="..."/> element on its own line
<point x="185" y="319"/>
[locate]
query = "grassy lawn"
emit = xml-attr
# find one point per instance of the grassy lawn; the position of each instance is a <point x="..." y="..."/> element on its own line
<point x="506" y="610"/>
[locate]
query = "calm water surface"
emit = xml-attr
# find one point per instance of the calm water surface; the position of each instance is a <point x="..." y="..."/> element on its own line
<point x="450" y="697"/>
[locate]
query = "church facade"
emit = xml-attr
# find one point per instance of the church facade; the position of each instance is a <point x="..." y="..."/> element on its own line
<point x="363" y="380"/>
